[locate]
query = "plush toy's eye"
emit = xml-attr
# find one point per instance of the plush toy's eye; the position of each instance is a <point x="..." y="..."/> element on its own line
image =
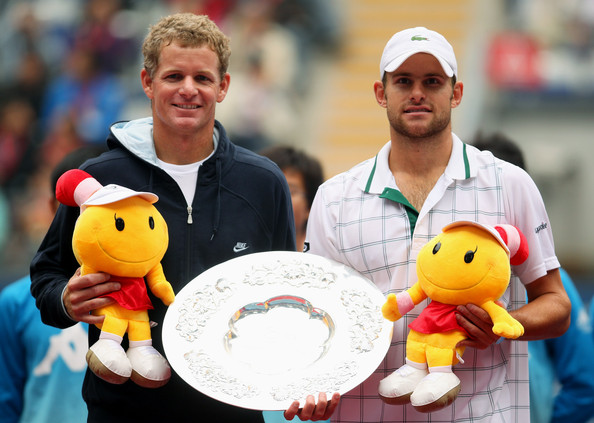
<point x="436" y="247"/>
<point x="151" y="222"/>
<point x="119" y="223"/>
<point x="469" y="256"/>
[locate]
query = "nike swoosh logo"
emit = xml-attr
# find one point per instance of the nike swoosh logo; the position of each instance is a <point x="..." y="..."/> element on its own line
<point x="237" y="249"/>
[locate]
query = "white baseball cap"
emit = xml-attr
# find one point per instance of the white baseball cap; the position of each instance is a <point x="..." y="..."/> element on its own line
<point x="411" y="41"/>
<point x="112" y="193"/>
<point x="487" y="228"/>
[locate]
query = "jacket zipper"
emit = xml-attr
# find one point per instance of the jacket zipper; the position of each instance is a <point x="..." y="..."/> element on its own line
<point x="190" y="221"/>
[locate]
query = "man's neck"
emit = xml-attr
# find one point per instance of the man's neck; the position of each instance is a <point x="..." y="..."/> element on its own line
<point x="181" y="149"/>
<point x="420" y="155"/>
<point x="418" y="164"/>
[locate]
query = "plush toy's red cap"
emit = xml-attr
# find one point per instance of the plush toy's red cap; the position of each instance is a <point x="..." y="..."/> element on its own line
<point x="515" y="241"/>
<point x="75" y="186"/>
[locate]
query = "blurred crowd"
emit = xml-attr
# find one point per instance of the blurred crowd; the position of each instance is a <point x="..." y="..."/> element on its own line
<point x="70" y="68"/>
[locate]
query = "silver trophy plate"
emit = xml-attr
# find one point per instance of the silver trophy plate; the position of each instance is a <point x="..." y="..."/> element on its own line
<point x="265" y="329"/>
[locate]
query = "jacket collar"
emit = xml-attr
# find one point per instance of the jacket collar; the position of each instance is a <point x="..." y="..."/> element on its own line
<point x="137" y="137"/>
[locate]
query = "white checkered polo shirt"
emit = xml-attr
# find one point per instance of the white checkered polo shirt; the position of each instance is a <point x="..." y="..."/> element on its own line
<point x="359" y="218"/>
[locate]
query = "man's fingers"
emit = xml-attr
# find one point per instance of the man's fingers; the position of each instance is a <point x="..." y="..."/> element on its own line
<point x="292" y="411"/>
<point x="84" y="294"/>
<point x="308" y="409"/>
<point x="478" y="324"/>
<point x="322" y="410"/>
<point x="334" y="401"/>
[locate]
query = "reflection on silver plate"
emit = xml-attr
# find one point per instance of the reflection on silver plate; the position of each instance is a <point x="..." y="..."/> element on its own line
<point x="265" y="329"/>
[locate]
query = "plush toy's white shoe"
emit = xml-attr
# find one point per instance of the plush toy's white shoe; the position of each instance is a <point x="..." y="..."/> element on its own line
<point x="149" y="368"/>
<point x="107" y="359"/>
<point x="436" y="391"/>
<point x="398" y="387"/>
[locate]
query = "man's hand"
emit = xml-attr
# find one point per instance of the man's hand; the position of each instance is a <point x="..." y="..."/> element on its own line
<point x="478" y="325"/>
<point x="312" y="411"/>
<point x="82" y="295"/>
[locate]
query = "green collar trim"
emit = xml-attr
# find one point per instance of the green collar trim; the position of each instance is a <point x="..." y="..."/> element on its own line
<point x="370" y="179"/>
<point x="396" y="196"/>
<point x="466" y="162"/>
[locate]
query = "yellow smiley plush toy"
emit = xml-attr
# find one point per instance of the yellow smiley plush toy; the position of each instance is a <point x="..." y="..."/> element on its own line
<point x="120" y="232"/>
<point x="467" y="263"/>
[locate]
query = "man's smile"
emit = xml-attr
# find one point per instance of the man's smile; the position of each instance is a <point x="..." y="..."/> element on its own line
<point x="187" y="106"/>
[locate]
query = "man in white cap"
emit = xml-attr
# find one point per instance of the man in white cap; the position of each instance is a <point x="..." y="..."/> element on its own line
<point x="376" y="217"/>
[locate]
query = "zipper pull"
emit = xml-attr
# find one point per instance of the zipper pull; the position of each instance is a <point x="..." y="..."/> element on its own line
<point x="190" y="221"/>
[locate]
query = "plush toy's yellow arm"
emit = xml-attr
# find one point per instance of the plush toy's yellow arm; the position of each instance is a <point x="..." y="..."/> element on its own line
<point x="397" y="305"/>
<point x="159" y="286"/>
<point x="503" y="323"/>
<point x="86" y="270"/>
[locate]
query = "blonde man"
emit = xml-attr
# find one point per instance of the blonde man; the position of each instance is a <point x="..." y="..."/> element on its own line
<point x="214" y="196"/>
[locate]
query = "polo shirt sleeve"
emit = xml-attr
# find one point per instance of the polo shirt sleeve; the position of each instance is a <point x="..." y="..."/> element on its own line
<point x="321" y="226"/>
<point x="525" y="209"/>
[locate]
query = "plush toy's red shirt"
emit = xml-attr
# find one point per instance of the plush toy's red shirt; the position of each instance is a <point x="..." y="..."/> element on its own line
<point x="132" y="294"/>
<point x="436" y="318"/>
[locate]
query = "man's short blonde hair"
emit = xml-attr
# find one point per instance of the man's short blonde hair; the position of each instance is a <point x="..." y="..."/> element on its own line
<point x="189" y="30"/>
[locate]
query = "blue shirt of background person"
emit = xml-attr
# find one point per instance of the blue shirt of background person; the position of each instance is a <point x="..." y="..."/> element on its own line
<point x="278" y="417"/>
<point x="41" y="367"/>
<point x="561" y="370"/>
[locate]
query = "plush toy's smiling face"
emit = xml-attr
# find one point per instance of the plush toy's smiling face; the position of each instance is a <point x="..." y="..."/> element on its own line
<point x="125" y="238"/>
<point x="464" y="264"/>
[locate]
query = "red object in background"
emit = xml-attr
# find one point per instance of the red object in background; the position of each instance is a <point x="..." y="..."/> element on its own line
<point x="514" y="62"/>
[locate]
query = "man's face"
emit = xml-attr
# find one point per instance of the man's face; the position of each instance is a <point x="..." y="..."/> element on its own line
<point x="419" y="97"/>
<point x="185" y="89"/>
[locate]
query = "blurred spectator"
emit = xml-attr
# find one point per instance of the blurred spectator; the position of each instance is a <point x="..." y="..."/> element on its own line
<point x="258" y="116"/>
<point x="317" y="27"/>
<point x="99" y="30"/>
<point x="61" y="138"/>
<point x="87" y="94"/>
<point x="591" y="312"/>
<point x="217" y="10"/>
<point x="254" y="33"/>
<point x="42" y="367"/>
<point x="4" y="224"/>
<point x="17" y="118"/>
<point x="43" y="27"/>
<point x="30" y="82"/>
<point x="261" y="108"/>
<point x="317" y="24"/>
<point x="304" y="175"/>
<point x="561" y="375"/>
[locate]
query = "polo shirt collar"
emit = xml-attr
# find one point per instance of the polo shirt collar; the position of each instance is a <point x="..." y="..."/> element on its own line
<point x="462" y="165"/>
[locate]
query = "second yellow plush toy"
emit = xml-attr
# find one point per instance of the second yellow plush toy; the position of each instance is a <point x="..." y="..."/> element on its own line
<point x="467" y="263"/>
<point x="120" y="232"/>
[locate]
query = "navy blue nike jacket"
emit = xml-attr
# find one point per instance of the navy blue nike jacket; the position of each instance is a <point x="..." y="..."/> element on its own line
<point x="241" y="199"/>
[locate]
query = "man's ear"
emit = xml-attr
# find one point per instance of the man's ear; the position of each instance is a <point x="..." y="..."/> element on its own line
<point x="224" y="87"/>
<point x="147" y="83"/>
<point x="380" y="93"/>
<point x="457" y="94"/>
